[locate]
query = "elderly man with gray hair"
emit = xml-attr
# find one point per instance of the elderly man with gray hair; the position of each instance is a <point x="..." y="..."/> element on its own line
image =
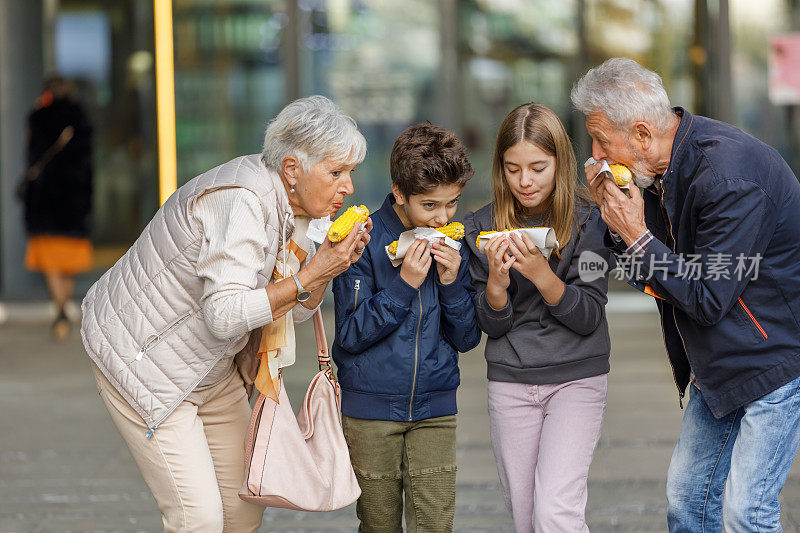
<point x="220" y="274"/>
<point x="714" y="236"/>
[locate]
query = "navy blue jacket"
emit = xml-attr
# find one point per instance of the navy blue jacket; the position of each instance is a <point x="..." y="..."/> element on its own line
<point x="726" y="192"/>
<point x="396" y="347"/>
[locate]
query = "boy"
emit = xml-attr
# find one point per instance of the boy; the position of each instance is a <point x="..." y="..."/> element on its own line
<point x="398" y="334"/>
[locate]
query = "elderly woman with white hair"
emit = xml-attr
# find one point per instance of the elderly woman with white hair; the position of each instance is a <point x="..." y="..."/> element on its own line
<point x="220" y="274"/>
<point x="714" y="236"/>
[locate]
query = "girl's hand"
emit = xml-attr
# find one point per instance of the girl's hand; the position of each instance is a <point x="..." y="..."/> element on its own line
<point x="333" y="259"/>
<point x="416" y="263"/>
<point x="529" y="259"/>
<point x="447" y="262"/>
<point x="500" y="262"/>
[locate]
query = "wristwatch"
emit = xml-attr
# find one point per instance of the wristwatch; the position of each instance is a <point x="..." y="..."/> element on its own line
<point x="302" y="294"/>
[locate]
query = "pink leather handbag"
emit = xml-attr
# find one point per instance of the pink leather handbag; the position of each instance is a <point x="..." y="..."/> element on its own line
<point x="301" y="462"/>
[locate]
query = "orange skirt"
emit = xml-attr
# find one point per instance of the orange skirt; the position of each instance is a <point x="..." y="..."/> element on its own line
<point x="65" y="255"/>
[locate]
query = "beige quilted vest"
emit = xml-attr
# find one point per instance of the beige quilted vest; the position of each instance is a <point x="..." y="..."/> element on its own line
<point x="143" y="320"/>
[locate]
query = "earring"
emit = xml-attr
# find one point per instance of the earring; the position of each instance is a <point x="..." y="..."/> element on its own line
<point x="291" y="191"/>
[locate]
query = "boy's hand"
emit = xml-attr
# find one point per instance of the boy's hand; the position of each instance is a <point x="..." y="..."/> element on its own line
<point x="416" y="263"/>
<point x="447" y="262"/>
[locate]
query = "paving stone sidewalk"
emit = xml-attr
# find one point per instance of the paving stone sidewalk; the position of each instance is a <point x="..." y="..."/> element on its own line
<point x="64" y="468"/>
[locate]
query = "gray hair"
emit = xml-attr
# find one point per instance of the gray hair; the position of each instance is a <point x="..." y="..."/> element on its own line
<point x="626" y="92"/>
<point x="312" y="129"/>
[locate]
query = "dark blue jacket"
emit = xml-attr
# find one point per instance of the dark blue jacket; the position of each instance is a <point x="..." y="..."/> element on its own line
<point x="396" y="347"/>
<point x="726" y="192"/>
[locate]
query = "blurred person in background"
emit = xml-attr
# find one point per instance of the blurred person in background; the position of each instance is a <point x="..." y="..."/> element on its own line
<point x="216" y="281"/>
<point x="57" y="193"/>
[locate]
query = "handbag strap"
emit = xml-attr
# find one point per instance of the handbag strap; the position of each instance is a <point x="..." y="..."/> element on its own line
<point x="59" y="144"/>
<point x="323" y="356"/>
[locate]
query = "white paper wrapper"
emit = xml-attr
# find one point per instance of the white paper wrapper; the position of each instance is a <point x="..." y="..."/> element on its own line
<point x="408" y="237"/>
<point x="543" y="238"/>
<point x="605" y="171"/>
<point x="318" y="229"/>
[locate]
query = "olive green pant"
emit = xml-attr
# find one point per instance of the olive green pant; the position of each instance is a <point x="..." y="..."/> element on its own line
<point x="390" y="458"/>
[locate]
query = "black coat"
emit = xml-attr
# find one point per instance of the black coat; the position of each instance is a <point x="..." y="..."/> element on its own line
<point x="59" y="200"/>
<point x="725" y="195"/>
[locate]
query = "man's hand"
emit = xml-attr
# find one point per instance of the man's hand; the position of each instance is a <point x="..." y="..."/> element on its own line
<point x="448" y="260"/>
<point x="624" y="216"/>
<point x="596" y="185"/>
<point x="416" y="263"/>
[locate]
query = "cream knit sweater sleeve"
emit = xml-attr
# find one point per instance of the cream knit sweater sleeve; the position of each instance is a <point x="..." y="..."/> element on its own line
<point x="234" y="249"/>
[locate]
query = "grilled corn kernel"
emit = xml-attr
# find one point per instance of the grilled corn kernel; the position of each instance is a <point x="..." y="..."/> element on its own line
<point x="454" y="230"/>
<point x="481" y="234"/>
<point x="622" y="175"/>
<point x="343" y="225"/>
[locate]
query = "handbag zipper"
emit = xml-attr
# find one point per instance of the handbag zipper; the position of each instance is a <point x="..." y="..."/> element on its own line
<point x="152" y="429"/>
<point x="416" y="358"/>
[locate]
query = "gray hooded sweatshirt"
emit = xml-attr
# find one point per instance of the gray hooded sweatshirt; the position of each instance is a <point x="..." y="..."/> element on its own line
<point x="529" y="340"/>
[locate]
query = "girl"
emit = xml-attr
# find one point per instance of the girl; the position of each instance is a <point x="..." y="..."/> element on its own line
<point x="548" y="344"/>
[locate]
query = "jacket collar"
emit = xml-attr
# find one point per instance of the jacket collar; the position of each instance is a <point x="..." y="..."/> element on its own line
<point x="680" y="142"/>
<point x="285" y="213"/>
<point x="389" y="217"/>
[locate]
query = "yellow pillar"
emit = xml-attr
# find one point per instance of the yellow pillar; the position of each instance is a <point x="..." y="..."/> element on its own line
<point x="165" y="100"/>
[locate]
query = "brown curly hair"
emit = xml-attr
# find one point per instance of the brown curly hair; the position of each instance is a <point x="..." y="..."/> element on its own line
<point x="425" y="156"/>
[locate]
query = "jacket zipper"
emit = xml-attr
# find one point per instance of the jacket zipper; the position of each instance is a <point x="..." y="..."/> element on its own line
<point x="416" y="358"/>
<point x="355" y="299"/>
<point x="154" y="339"/>
<point x="683" y="343"/>
<point x="674" y="318"/>
<point x="753" y="319"/>
<point x="153" y="428"/>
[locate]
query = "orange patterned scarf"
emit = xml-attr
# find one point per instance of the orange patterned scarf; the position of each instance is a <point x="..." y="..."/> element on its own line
<point x="277" y="348"/>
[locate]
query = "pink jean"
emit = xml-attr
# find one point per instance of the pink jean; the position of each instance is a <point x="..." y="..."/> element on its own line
<point x="544" y="437"/>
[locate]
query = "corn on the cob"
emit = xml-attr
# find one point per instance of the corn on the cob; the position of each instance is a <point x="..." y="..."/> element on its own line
<point x="454" y="230"/>
<point x="342" y="226"/>
<point x="622" y="175"/>
<point x="481" y="234"/>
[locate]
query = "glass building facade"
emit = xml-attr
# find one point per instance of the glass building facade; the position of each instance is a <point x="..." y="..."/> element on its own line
<point x="462" y="64"/>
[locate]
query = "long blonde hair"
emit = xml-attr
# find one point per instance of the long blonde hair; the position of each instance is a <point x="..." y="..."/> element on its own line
<point x="538" y="124"/>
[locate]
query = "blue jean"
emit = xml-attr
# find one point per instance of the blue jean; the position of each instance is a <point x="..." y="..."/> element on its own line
<point x="753" y="448"/>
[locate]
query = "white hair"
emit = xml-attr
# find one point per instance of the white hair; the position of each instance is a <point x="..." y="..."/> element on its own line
<point x="312" y="129"/>
<point x="626" y="92"/>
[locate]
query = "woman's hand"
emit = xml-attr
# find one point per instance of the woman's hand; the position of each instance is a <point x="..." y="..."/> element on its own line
<point x="333" y="259"/>
<point x="448" y="260"/>
<point x="416" y="263"/>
